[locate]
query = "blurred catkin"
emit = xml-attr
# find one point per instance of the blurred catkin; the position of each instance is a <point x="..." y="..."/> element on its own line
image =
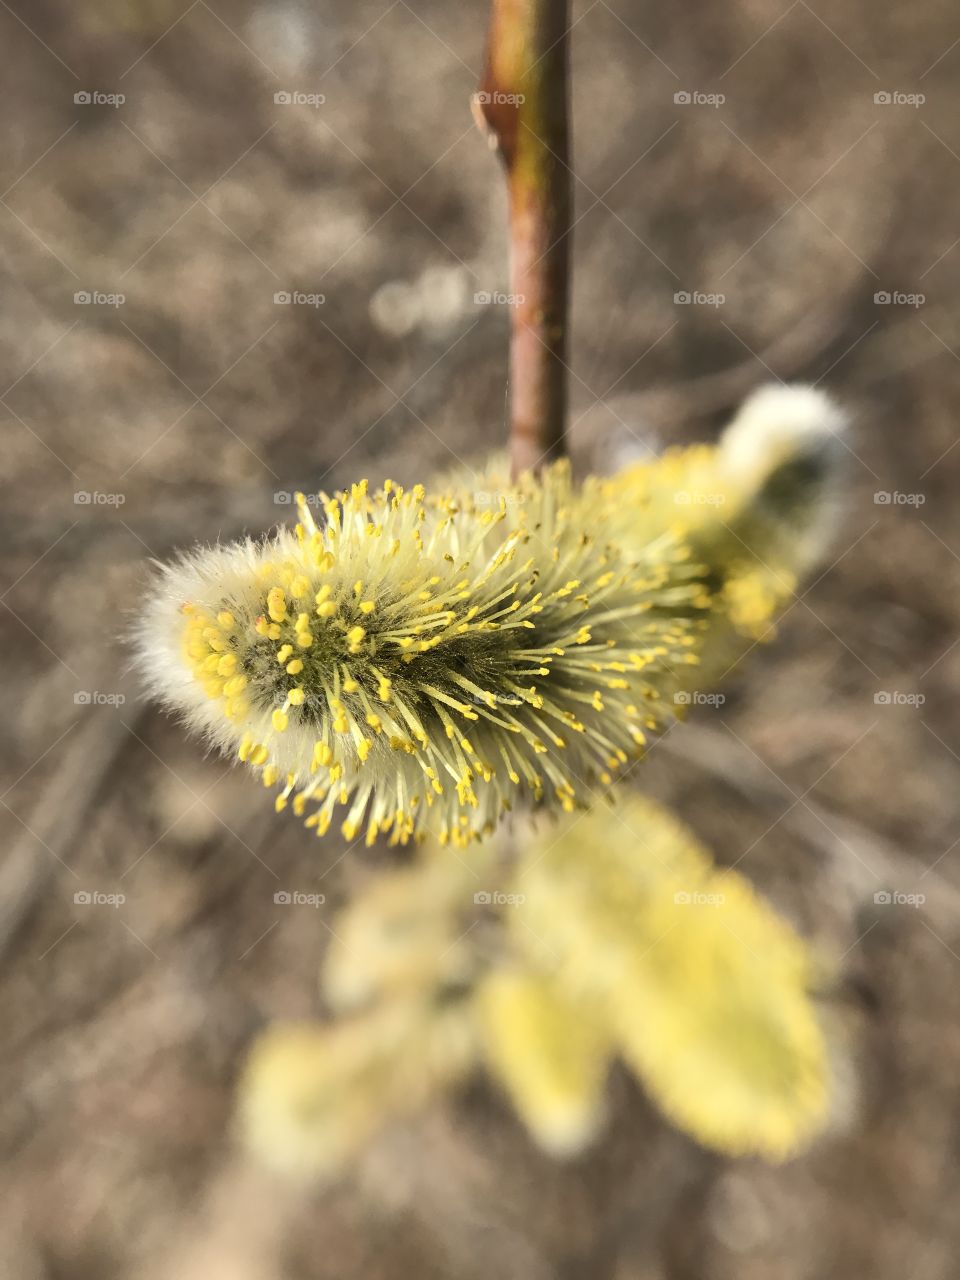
<point x="611" y="936"/>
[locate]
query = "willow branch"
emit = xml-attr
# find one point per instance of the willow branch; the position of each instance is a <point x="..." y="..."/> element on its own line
<point x="522" y="104"/>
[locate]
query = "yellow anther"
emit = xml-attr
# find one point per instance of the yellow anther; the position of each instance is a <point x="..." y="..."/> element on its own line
<point x="304" y="639"/>
<point x="294" y="667"/>
<point x="277" y="604"/>
<point x="296" y="696"/>
<point x="280" y="720"/>
<point x="226" y="618"/>
<point x="284" y="652"/>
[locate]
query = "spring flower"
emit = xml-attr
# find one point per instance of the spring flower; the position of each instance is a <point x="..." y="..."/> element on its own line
<point x="621" y="940"/>
<point x="759" y="508"/>
<point x="428" y="662"/>
<point x="550" y="1054"/>
<point x="407" y="656"/>
<point x="702" y="990"/>
<point x="312" y="1097"/>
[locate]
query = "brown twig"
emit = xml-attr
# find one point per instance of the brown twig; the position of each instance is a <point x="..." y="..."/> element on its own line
<point x="522" y="104"/>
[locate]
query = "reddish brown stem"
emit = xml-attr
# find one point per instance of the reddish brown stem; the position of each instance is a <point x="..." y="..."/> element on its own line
<point x="522" y="102"/>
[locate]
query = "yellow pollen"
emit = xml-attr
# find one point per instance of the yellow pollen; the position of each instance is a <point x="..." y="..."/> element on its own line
<point x="276" y="604"/>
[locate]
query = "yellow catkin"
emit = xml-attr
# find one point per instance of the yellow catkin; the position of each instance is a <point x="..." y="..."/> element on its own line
<point x="520" y="649"/>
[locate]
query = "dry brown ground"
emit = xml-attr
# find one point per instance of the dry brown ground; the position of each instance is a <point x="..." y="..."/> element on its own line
<point x="199" y="398"/>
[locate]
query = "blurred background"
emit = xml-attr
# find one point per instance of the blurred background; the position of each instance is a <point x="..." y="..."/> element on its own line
<point x="246" y="248"/>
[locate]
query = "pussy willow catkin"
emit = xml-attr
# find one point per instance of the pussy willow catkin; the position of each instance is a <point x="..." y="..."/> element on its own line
<point x="426" y="662"/>
<point x="415" y="660"/>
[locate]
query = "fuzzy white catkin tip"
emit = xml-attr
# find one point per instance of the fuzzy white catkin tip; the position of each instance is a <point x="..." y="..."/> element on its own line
<point x="776" y="424"/>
